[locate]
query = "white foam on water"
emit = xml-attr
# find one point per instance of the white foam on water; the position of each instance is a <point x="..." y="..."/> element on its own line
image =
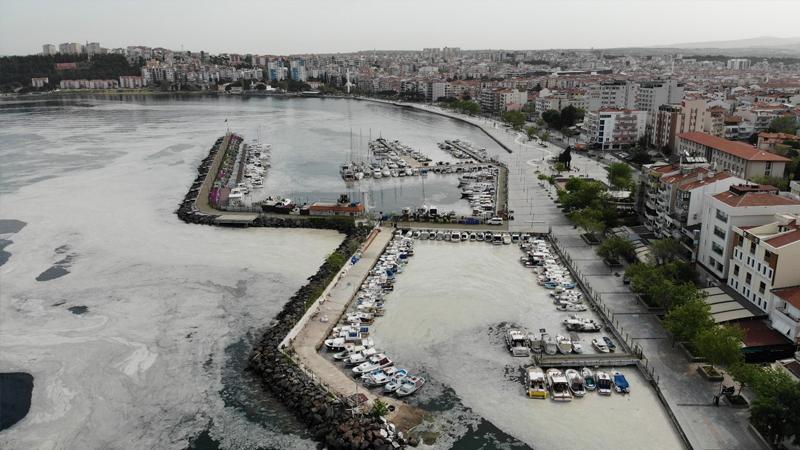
<point x="443" y="318"/>
<point x="142" y="367"/>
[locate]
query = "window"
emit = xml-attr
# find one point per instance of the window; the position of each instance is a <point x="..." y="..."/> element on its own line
<point x="722" y="216"/>
<point x="748" y="278"/>
<point x="761" y="287"/>
<point x="719" y="232"/>
<point x="716" y="248"/>
<point x="736" y="270"/>
<point x="752" y="248"/>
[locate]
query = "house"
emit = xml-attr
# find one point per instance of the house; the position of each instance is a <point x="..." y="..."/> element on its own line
<point x="743" y="160"/>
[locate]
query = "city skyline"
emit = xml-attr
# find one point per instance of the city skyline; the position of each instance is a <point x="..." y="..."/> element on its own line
<point x="319" y="27"/>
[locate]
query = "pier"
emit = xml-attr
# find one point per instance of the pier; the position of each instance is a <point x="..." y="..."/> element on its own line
<point x="325" y="314"/>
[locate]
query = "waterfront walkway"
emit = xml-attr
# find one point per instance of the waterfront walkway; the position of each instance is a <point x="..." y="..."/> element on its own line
<point x="308" y="341"/>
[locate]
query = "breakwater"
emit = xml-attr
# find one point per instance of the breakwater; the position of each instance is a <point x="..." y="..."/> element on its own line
<point x="330" y="419"/>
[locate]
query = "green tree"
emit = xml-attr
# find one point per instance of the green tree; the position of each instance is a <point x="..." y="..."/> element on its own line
<point x="783" y="124"/>
<point x="686" y="321"/>
<point x="779" y="182"/>
<point x="665" y="250"/>
<point x="531" y="132"/>
<point x="620" y="176"/>
<point x="774" y="411"/>
<point x="552" y="118"/>
<point x="589" y="220"/>
<point x="545" y="136"/>
<point x="615" y="247"/>
<point x="379" y="408"/>
<point x="515" y="118"/>
<point x="721" y="345"/>
<point x="569" y="116"/>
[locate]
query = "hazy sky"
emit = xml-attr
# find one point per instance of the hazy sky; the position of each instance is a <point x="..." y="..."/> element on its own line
<point x="294" y="26"/>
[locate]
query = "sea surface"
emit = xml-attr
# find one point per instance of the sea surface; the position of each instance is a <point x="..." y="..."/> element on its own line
<point x="136" y="326"/>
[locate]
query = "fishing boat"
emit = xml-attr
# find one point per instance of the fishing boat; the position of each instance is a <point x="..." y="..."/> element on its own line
<point x="550" y="346"/>
<point x="335" y="344"/>
<point x="621" y="384"/>
<point x="360" y="357"/>
<point x="409" y="385"/>
<point x="576" y="383"/>
<point x="604" y="384"/>
<point x="599" y="345"/>
<point x="558" y="385"/>
<point x="570" y="307"/>
<point x="577" y="347"/>
<point x="564" y="344"/>
<point x="535" y="382"/>
<point x="609" y="343"/>
<point x="395" y="381"/>
<point x="517" y="342"/>
<point x="537" y="345"/>
<point x="589" y="378"/>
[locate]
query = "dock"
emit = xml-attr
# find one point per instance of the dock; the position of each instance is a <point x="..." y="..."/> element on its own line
<point x="588" y="360"/>
<point x="310" y="338"/>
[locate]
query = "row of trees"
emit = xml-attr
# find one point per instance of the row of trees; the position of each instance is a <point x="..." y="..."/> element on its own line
<point x="16" y="71"/>
<point x="566" y="118"/>
<point x="516" y="119"/>
<point x="588" y="205"/>
<point x="464" y="106"/>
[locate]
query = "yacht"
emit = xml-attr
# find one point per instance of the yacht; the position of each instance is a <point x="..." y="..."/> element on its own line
<point x="535" y="382"/>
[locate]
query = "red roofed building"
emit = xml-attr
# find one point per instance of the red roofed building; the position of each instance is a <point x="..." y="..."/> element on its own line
<point x="767" y="141"/>
<point x="737" y="208"/>
<point x="743" y="160"/>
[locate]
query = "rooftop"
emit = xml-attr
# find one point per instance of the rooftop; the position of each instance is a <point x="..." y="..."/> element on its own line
<point x="738" y="149"/>
<point x="790" y="295"/>
<point x="748" y="199"/>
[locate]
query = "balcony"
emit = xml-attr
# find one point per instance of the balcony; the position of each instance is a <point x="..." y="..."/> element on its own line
<point x="782" y="311"/>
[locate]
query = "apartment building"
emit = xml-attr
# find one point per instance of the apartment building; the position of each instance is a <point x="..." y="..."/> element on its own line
<point x="39" y="82"/>
<point x="131" y="82"/>
<point x="739" y="206"/>
<point x="768" y="141"/>
<point x="738" y="64"/>
<point x="615" y="128"/>
<point x="560" y="100"/>
<point x="437" y="90"/>
<point x="49" y="50"/>
<point x="715" y="121"/>
<point x="70" y="48"/>
<point x="743" y="160"/>
<point x="498" y="101"/>
<point x="674" y="195"/>
<point x="618" y="94"/>
<point x="652" y="94"/>
<point x="766" y="257"/>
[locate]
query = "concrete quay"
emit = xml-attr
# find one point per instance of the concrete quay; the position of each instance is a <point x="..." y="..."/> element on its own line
<point x="308" y="341"/>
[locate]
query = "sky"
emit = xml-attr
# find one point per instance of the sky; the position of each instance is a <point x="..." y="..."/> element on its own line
<point x="327" y="26"/>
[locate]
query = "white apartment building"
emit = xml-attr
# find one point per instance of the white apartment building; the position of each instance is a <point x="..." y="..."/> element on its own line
<point x="740" y="206"/>
<point x="49" y="50"/>
<point x="131" y="82"/>
<point x="612" y="95"/>
<point x="439" y="89"/>
<point x="615" y="128"/>
<point x="39" y="82"/>
<point x="650" y="95"/>
<point x="764" y="270"/>
<point x="743" y="160"/>
<point x="738" y="64"/>
<point x="70" y="48"/>
<point x="501" y="100"/>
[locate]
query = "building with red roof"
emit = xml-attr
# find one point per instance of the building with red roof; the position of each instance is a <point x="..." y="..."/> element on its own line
<point x="741" y="159"/>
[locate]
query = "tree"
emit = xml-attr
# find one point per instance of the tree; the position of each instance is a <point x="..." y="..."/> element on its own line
<point x="515" y="118"/>
<point x="569" y="116"/>
<point x="721" y="345"/>
<point x="531" y="132"/>
<point x="665" y="250"/>
<point x="379" y="408"/>
<point x="545" y="136"/>
<point x="783" y="124"/>
<point x="620" y="176"/>
<point x="779" y="182"/>
<point x="774" y="411"/>
<point x="615" y="247"/>
<point x="686" y="321"/>
<point x="552" y="118"/>
<point x="589" y="220"/>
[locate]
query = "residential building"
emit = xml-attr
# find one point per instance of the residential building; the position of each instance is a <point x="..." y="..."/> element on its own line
<point x="297" y="70"/>
<point x="131" y="82"/>
<point x="39" y="82"/>
<point x="560" y="100"/>
<point x="498" y="101"/>
<point x="618" y="94"/>
<point x="764" y="270"/>
<point x="70" y="48"/>
<point x="275" y="70"/>
<point x="652" y="94"/>
<point x="738" y="64"/>
<point x="93" y="48"/>
<point x="49" y="50"/>
<point x="615" y="128"/>
<point x="665" y="127"/>
<point x="715" y="121"/>
<point x="438" y="89"/>
<point x="743" y="160"/>
<point x="768" y="141"/>
<point x="740" y="206"/>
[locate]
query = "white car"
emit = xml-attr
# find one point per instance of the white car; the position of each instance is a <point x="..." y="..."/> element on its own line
<point x="495" y="221"/>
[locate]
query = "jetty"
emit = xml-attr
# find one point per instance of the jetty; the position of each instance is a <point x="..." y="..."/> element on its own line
<point x="308" y="336"/>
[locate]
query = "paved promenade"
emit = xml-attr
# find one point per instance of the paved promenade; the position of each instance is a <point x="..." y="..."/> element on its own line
<point x="310" y="338"/>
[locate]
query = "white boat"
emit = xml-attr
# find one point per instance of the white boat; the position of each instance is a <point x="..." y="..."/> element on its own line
<point x="577" y="347"/>
<point x="497" y="239"/>
<point x="599" y="345"/>
<point x="335" y="344"/>
<point x="604" y="384"/>
<point x="576" y="383"/>
<point x="535" y="383"/>
<point x="439" y="235"/>
<point x="550" y="346"/>
<point x="517" y="342"/>
<point x="409" y="385"/>
<point x="564" y="344"/>
<point x="506" y="239"/>
<point x="359" y="357"/>
<point x="558" y="385"/>
<point x="395" y="381"/>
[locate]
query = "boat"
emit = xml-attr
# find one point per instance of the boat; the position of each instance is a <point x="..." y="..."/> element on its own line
<point x="473" y="236"/>
<point x="479" y="237"/>
<point x="589" y="378"/>
<point x="395" y="381"/>
<point x="576" y="383"/>
<point x="537" y="345"/>
<point x="621" y="384"/>
<point x="550" y="346"/>
<point x="497" y="239"/>
<point x="464" y="236"/>
<point x="558" y="385"/>
<point x="609" y="343"/>
<point x="599" y="345"/>
<point x="517" y="342"/>
<point x="536" y="385"/>
<point x="564" y="344"/>
<point x="604" y="384"/>
<point x="439" y="235"/>
<point x="506" y="238"/>
<point x="570" y="307"/>
<point x="335" y="344"/>
<point x="409" y="385"/>
<point x="577" y="347"/>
